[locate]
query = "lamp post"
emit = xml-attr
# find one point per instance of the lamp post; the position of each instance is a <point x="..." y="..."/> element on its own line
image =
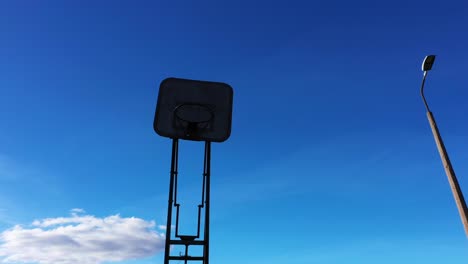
<point x="452" y="178"/>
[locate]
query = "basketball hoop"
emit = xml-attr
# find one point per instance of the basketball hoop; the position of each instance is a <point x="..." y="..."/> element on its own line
<point x="194" y="117"/>
<point x="197" y="111"/>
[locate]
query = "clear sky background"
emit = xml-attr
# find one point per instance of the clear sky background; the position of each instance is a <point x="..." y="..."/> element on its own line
<point x="331" y="159"/>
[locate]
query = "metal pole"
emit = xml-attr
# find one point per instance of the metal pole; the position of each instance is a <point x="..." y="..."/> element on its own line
<point x="207" y="202"/>
<point x="175" y="150"/>
<point x="452" y="178"/>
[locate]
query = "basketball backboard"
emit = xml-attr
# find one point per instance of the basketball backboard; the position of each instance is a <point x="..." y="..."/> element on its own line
<point x="194" y="110"/>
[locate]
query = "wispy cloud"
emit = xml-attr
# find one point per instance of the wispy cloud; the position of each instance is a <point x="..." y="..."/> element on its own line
<point x="84" y="239"/>
<point x="164" y="227"/>
<point x="76" y="211"/>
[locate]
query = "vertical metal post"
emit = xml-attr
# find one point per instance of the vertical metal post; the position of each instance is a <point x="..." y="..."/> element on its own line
<point x="452" y="178"/>
<point x="456" y="190"/>
<point x="174" y="160"/>
<point x="186" y="253"/>
<point x="207" y="173"/>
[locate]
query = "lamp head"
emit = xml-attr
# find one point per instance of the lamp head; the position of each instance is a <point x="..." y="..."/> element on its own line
<point x="428" y="62"/>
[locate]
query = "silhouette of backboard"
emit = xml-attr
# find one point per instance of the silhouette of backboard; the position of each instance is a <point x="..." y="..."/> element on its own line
<point x="194" y="110"/>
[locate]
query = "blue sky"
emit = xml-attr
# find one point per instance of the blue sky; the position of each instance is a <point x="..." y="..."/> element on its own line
<point x="330" y="160"/>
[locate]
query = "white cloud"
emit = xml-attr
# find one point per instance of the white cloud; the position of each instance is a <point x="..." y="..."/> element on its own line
<point x="164" y="227"/>
<point x="77" y="211"/>
<point x="84" y="239"/>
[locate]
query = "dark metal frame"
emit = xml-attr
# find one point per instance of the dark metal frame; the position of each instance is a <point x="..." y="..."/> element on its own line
<point x="188" y="240"/>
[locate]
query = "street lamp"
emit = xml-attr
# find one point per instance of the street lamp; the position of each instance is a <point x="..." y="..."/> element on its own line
<point x="456" y="190"/>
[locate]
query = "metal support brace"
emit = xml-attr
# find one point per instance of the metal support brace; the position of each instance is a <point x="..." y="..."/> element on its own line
<point x="188" y="240"/>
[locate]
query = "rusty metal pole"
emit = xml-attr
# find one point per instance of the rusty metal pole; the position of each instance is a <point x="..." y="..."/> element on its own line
<point x="452" y="178"/>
